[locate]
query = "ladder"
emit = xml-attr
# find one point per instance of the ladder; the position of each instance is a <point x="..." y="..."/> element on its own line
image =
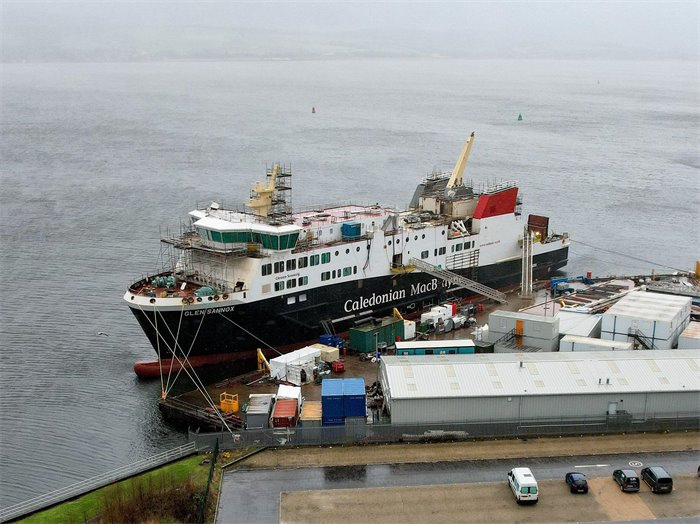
<point x="643" y="340"/>
<point x="458" y="280"/>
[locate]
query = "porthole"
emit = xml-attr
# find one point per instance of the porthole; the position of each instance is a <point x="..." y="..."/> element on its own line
<point x="407" y="239"/>
<point x="336" y="253"/>
<point x="443" y="232"/>
<point x="357" y="249"/>
<point x="398" y="240"/>
<point x="388" y="243"/>
<point x="423" y="235"/>
<point x="416" y="237"/>
<point x="347" y="251"/>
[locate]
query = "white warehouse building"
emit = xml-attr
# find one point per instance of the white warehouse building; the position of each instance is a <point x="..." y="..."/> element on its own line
<point x="527" y="386"/>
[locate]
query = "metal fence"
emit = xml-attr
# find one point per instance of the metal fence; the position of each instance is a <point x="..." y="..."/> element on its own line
<point x="385" y="433"/>
<point x="91" y="484"/>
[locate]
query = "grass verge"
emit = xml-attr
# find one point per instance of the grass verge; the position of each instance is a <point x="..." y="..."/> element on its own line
<point x="170" y="493"/>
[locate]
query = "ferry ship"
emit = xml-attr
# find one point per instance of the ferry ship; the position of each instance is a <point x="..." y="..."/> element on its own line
<point x="267" y="276"/>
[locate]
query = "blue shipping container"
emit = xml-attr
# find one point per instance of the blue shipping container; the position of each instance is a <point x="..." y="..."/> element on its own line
<point x="326" y="340"/>
<point x="332" y="398"/>
<point x="354" y="397"/>
<point x="350" y="229"/>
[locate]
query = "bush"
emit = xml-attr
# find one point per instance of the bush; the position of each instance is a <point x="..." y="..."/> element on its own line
<point x="151" y="498"/>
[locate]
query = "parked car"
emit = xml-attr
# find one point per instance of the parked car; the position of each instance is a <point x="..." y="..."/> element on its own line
<point x="658" y="479"/>
<point x="627" y="479"/>
<point x="524" y="485"/>
<point x="577" y="482"/>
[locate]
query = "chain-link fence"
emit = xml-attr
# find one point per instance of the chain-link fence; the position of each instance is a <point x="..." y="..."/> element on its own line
<point x="383" y="433"/>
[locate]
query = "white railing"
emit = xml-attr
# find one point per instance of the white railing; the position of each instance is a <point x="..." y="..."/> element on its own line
<point x="91" y="484"/>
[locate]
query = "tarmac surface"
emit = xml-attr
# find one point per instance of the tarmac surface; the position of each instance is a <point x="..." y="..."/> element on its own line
<point x="398" y="492"/>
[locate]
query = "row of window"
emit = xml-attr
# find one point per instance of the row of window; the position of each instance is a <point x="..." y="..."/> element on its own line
<point x="345" y="272"/>
<point x="269" y="241"/>
<point x="291" y="283"/>
<point x="294" y="263"/>
<point x="467" y="245"/>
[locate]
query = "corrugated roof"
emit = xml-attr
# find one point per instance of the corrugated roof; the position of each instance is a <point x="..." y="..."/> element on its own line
<point x="580" y="324"/>
<point x="520" y="315"/>
<point x="506" y="374"/>
<point x="650" y="306"/>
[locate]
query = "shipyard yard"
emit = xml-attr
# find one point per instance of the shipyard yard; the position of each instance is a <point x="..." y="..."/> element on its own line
<point x="444" y="482"/>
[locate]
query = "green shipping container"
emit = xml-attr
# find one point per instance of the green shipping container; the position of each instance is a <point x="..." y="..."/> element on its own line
<point x="363" y="338"/>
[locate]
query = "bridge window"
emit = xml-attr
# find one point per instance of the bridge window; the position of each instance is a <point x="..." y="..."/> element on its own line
<point x="314" y="260"/>
<point x="238" y="237"/>
<point x="216" y="236"/>
<point x="279" y="267"/>
<point x="291" y="264"/>
<point x="266" y="269"/>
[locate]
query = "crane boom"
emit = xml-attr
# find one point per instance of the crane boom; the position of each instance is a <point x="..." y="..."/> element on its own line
<point x="458" y="171"/>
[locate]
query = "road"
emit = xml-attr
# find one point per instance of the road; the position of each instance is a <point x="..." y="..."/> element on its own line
<point x="254" y="495"/>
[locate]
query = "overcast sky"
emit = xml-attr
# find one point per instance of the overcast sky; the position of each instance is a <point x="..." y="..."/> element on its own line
<point x="37" y="31"/>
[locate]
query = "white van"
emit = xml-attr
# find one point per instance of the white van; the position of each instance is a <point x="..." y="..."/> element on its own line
<point x="524" y="485"/>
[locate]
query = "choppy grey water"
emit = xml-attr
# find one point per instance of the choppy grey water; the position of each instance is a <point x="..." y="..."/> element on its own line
<point x="95" y="157"/>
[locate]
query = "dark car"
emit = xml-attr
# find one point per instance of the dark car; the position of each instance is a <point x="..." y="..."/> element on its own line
<point x="658" y="479"/>
<point x="627" y="479"/>
<point x="577" y="482"/>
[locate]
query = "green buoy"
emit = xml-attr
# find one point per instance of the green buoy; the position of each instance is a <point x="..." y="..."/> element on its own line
<point x="520" y="117"/>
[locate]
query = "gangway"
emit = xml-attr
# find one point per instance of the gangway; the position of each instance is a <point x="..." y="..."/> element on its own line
<point x="459" y="280"/>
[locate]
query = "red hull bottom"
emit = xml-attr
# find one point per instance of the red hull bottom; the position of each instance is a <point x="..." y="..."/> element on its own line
<point x="153" y="368"/>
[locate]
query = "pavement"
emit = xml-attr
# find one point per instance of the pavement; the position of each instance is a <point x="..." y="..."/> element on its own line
<point x="460" y="482"/>
<point x="474" y="450"/>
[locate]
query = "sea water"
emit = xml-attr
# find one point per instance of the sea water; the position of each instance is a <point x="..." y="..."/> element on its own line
<point x="98" y="158"/>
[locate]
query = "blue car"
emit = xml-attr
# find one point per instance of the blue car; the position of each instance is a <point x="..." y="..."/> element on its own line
<point x="577" y="482"/>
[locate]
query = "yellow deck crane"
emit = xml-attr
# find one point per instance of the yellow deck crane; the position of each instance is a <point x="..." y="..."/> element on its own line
<point x="458" y="171"/>
<point x="263" y="364"/>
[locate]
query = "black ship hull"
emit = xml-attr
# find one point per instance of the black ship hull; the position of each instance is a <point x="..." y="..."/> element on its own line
<point x="239" y="330"/>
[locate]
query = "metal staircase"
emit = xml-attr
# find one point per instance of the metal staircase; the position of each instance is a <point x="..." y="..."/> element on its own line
<point x="643" y="340"/>
<point x="458" y="280"/>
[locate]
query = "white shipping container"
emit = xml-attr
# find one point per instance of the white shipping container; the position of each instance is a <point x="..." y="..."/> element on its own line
<point x="656" y="315"/>
<point x="575" y="343"/>
<point x="409" y="329"/>
<point x="300" y="357"/>
<point x="295" y="375"/>
<point x="294" y="392"/>
<point x="534" y="326"/>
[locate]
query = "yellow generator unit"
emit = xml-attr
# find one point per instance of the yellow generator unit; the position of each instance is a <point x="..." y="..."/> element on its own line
<point x="229" y="402"/>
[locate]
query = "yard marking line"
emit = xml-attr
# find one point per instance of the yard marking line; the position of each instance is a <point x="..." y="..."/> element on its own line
<point x="593" y="466"/>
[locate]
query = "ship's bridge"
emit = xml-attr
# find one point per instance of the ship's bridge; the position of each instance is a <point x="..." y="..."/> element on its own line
<point x="222" y="234"/>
